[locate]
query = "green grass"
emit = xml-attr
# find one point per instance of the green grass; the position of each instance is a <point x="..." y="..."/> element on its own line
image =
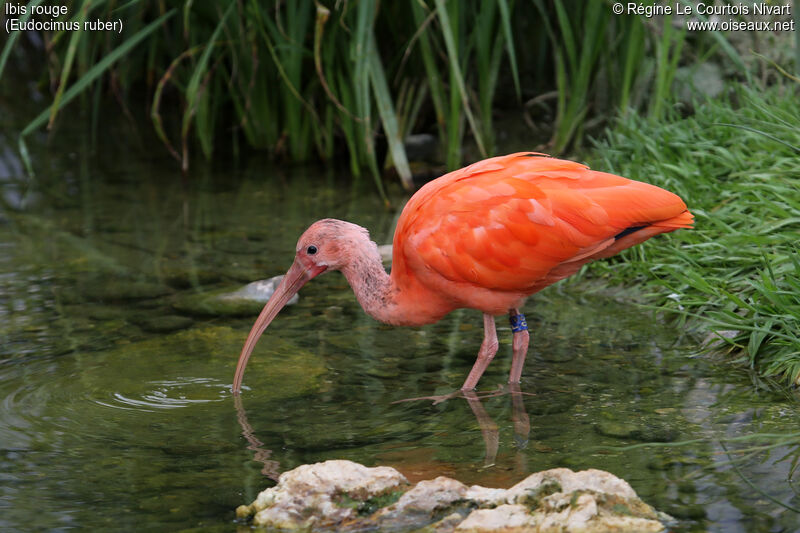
<point x="736" y="162"/>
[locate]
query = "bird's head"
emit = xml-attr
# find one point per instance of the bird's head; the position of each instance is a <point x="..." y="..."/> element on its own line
<point x="330" y="244"/>
<point x="327" y="244"/>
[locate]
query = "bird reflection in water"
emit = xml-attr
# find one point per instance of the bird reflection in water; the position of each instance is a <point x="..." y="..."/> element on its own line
<point x="272" y="468"/>
<point x="489" y="429"/>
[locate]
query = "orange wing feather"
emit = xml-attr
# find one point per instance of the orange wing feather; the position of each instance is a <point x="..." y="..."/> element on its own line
<point x="520" y="222"/>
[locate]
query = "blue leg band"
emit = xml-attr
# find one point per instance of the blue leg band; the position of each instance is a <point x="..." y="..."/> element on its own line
<point x="518" y="323"/>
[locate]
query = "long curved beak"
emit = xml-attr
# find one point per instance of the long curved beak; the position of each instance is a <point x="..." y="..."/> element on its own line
<point x="297" y="276"/>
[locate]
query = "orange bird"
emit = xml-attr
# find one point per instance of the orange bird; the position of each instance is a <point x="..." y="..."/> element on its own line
<point x="484" y="237"/>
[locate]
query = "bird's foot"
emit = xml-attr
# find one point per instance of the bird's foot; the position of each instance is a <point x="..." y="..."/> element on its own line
<point x="501" y="390"/>
<point x="469" y="394"/>
<point x="436" y="399"/>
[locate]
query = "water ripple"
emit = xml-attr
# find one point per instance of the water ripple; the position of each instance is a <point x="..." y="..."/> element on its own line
<point x="170" y="394"/>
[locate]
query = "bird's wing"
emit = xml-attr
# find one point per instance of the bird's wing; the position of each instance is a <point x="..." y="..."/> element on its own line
<point x="506" y="222"/>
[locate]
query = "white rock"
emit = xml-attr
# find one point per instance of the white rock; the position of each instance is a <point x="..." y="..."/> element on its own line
<point x="486" y="497"/>
<point x="563" y="512"/>
<point x="341" y="476"/>
<point x="430" y="495"/>
<point x="258" y="291"/>
<point x="536" y="484"/>
<point x="505" y="517"/>
<point x="328" y="495"/>
<point x="386" y="252"/>
<point x="418" y="507"/>
<point x="309" y="494"/>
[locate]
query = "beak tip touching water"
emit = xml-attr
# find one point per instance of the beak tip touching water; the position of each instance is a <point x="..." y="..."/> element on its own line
<point x="297" y="276"/>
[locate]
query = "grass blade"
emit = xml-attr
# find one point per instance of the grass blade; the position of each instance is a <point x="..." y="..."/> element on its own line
<point x="68" y="58"/>
<point x="568" y="40"/>
<point x="505" y="18"/>
<point x="431" y="70"/>
<point x="14" y="36"/>
<point x="452" y="54"/>
<point x="719" y="36"/>
<point x="359" y="53"/>
<point x="193" y="88"/>
<point x="633" y="58"/>
<point x="388" y="116"/>
<point x="765" y="134"/>
<point x="81" y="84"/>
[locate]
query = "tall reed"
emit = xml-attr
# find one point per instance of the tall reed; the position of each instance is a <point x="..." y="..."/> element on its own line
<point x="310" y="79"/>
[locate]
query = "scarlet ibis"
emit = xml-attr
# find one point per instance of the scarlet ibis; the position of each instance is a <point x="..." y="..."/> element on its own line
<point x="484" y="237"/>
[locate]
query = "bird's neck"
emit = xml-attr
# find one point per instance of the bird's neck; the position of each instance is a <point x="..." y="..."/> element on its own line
<point x="397" y="300"/>
<point x="370" y="282"/>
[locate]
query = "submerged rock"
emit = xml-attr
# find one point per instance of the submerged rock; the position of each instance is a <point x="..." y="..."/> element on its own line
<point x="631" y="429"/>
<point x="422" y="147"/>
<point x="245" y="301"/>
<point x="181" y="274"/>
<point x="196" y="363"/>
<point x="108" y="290"/>
<point x="163" y="323"/>
<point x="258" y="291"/>
<point x="386" y="253"/>
<point x="346" y="496"/>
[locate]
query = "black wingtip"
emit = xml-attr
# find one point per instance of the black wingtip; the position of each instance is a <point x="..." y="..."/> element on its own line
<point x="628" y="231"/>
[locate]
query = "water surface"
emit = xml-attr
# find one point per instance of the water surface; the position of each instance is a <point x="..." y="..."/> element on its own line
<point x="115" y="403"/>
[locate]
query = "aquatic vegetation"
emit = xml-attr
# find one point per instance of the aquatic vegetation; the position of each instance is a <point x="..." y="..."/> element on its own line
<point x="737" y="164"/>
<point x="300" y="373"/>
<point x="306" y="79"/>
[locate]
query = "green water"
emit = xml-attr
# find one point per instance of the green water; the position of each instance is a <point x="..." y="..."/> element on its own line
<point x="115" y="408"/>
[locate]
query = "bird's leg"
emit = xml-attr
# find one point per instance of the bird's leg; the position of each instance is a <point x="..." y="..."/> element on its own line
<point x="519" y="345"/>
<point x="522" y="422"/>
<point x="489" y="429"/>
<point x="485" y="354"/>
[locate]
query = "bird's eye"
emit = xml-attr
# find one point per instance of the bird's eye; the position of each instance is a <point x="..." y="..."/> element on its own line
<point x="311" y="250"/>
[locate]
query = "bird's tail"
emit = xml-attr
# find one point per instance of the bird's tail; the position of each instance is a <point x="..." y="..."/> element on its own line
<point x="641" y="234"/>
<point x="684" y="220"/>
